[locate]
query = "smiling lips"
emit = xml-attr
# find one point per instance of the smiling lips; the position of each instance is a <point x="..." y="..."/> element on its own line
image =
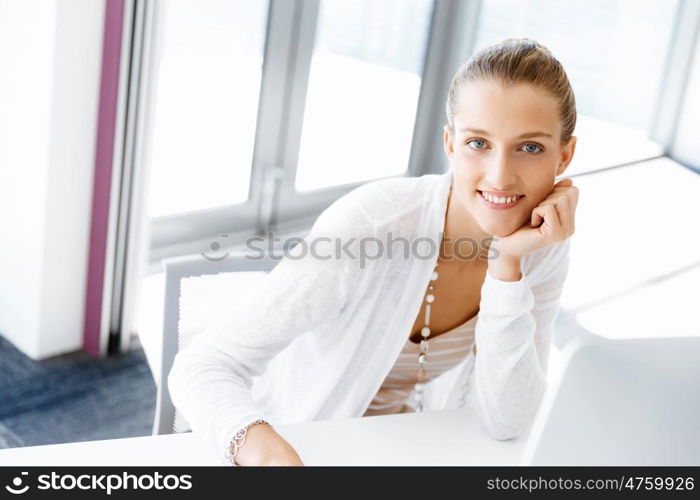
<point x="500" y="202"/>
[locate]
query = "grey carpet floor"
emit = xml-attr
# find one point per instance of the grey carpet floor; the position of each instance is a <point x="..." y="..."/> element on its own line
<point x="73" y="397"/>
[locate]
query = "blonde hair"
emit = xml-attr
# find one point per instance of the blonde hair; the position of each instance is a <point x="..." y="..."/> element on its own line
<point x="512" y="61"/>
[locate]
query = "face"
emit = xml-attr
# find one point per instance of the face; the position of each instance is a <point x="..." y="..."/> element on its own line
<point x="506" y="140"/>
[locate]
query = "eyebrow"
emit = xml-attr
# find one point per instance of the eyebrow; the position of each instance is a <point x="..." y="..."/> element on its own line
<point x="526" y="135"/>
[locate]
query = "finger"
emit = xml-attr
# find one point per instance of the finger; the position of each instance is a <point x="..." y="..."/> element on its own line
<point x="563" y="208"/>
<point x="551" y="225"/>
<point x="535" y="218"/>
<point x="566" y="198"/>
<point x="568" y="191"/>
<point x="544" y="203"/>
<point x="574" y="195"/>
<point x="566" y="182"/>
<point x="572" y="198"/>
<point x="568" y="201"/>
<point x="562" y="189"/>
<point x="571" y="195"/>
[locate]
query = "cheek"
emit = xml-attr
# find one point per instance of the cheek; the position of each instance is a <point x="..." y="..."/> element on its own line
<point x="538" y="181"/>
<point x="541" y="185"/>
<point x="466" y="176"/>
<point x="467" y="160"/>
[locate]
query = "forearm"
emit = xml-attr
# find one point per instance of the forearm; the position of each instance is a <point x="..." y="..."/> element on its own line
<point x="211" y="396"/>
<point x="509" y="387"/>
<point x="513" y="335"/>
<point x="508" y="377"/>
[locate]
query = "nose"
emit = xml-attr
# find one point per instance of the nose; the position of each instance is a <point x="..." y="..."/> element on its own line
<point x="501" y="173"/>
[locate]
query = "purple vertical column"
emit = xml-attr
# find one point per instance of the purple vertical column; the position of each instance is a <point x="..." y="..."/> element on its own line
<point x="102" y="183"/>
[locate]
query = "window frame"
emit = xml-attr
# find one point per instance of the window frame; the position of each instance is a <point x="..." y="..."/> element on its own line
<point x="203" y="225"/>
<point x="273" y="203"/>
<point x="447" y="47"/>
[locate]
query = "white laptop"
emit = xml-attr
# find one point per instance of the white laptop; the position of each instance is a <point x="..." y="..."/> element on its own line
<point x="621" y="402"/>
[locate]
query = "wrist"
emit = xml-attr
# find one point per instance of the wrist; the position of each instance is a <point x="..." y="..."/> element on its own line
<point x="236" y="446"/>
<point x="505" y="268"/>
<point x="266" y="447"/>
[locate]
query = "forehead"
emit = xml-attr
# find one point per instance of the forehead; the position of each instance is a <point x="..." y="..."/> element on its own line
<point x="506" y="110"/>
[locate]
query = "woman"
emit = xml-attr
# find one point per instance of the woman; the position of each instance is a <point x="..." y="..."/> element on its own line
<point x="381" y="325"/>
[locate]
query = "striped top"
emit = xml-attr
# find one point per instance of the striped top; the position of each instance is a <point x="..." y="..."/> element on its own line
<point x="445" y="351"/>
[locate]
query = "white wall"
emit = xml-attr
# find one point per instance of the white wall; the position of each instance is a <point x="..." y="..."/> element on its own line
<point x="686" y="146"/>
<point x="50" y="56"/>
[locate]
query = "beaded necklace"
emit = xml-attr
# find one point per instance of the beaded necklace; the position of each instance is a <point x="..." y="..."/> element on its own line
<point x="423" y="352"/>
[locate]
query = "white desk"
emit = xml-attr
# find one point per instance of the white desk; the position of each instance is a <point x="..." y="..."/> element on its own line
<point x="450" y="437"/>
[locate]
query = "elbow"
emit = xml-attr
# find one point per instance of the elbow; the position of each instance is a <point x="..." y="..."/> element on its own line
<point x="499" y="426"/>
<point x="506" y="432"/>
<point x="506" y="429"/>
<point x="513" y="422"/>
<point x="173" y="380"/>
<point x="170" y="380"/>
<point x="183" y="375"/>
<point x="197" y="372"/>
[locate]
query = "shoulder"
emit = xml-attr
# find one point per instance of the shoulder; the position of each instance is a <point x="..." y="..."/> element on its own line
<point x="376" y="202"/>
<point x="390" y="200"/>
<point x="548" y="263"/>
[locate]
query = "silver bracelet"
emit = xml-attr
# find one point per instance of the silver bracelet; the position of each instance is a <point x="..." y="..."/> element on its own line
<point x="234" y="445"/>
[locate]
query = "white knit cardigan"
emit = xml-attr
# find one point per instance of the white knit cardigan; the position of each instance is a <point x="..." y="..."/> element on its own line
<point x="318" y="335"/>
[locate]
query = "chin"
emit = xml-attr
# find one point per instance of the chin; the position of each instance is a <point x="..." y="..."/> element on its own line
<point x="500" y="230"/>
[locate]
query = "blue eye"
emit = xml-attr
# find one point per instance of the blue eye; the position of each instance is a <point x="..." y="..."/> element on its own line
<point x="537" y="150"/>
<point x="480" y="145"/>
<point x="476" y="140"/>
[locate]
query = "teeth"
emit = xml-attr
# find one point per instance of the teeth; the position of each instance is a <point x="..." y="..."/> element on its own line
<point x="501" y="200"/>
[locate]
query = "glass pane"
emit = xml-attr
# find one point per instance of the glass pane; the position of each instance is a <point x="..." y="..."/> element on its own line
<point x="206" y="78"/>
<point x="363" y="91"/>
<point x="614" y="53"/>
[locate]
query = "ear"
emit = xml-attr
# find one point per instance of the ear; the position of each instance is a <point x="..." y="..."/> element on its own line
<point x="567" y="154"/>
<point x="447" y="142"/>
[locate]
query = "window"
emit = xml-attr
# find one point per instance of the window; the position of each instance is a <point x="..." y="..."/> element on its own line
<point x="363" y="90"/>
<point x="261" y="114"/>
<point x="614" y="54"/>
<point x="207" y="73"/>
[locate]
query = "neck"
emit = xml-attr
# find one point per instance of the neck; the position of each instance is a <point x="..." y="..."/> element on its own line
<point x="460" y="227"/>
